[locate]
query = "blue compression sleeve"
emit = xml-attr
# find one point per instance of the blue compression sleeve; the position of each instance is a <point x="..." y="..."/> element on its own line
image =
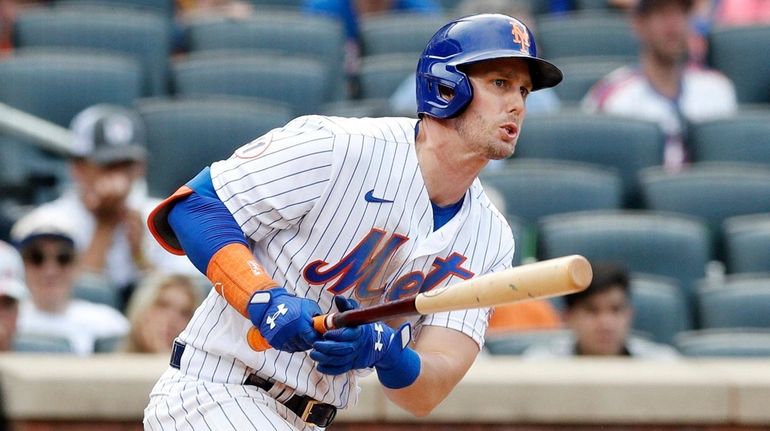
<point x="202" y="223"/>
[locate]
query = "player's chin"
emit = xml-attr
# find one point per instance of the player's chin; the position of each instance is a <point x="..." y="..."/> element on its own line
<point x="501" y="150"/>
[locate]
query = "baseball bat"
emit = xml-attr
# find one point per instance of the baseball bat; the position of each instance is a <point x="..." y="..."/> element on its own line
<point x="544" y="279"/>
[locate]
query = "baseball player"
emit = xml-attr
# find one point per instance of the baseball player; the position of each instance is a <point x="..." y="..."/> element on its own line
<point x="326" y="213"/>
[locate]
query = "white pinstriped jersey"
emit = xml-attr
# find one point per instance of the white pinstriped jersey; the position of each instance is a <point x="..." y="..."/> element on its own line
<point x="338" y="206"/>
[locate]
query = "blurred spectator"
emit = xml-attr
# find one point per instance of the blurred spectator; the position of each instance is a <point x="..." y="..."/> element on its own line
<point x="404" y="100"/>
<point x="349" y="12"/>
<point x="46" y="244"/>
<point x="12" y="290"/>
<point x="108" y="202"/>
<point x="663" y="88"/>
<point x="159" y="310"/>
<point x="742" y="12"/>
<point x="599" y="318"/>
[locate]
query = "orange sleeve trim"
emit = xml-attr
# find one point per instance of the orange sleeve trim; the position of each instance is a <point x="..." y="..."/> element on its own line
<point x="237" y="275"/>
<point x="157" y="222"/>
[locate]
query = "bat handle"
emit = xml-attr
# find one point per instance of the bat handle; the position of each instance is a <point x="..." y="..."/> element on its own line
<point x="323" y="323"/>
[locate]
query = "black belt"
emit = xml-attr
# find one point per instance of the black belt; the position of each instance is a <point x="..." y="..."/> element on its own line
<point x="308" y="409"/>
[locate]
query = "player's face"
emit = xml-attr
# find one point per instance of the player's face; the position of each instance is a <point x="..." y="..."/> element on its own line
<point x="49" y="266"/>
<point x="490" y="125"/>
<point x="664" y="32"/>
<point x="601" y="322"/>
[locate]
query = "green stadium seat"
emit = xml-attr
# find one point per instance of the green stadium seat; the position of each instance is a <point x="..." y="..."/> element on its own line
<point x="625" y="144"/>
<point x="281" y="32"/>
<point x="398" y="32"/>
<point x="40" y="343"/>
<point x="660" y="308"/>
<point x="666" y="244"/>
<point x="724" y="343"/>
<point x="98" y="294"/>
<point x="712" y="191"/>
<point x="381" y="75"/>
<point x="587" y="33"/>
<point x="739" y="301"/>
<point x="57" y="86"/>
<point x="747" y="240"/>
<point x="516" y="343"/>
<point x="144" y="36"/>
<point x="536" y="188"/>
<point x="184" y="136"/>
<point x="298" y="82"/>
<point x="741" y="53"/>
<point x="581" y="73"/>
<point x="744" y="137"/>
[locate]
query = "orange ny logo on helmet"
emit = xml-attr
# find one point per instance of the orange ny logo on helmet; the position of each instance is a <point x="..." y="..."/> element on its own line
<point x="520" y="35"/>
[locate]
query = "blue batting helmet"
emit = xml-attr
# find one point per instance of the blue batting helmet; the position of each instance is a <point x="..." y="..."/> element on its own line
<point x="469" y="40"/>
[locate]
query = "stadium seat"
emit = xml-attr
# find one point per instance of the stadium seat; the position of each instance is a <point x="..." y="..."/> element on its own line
<point x="298" y="82"/>
<point x="739" y="301"/>
<point x="712" y="191"/>
<point x="162" y="7"/>
<point x="108" y="344"/>
<point x="741" y="53"/>
<point x="592" y="4"/>
<point x="588" y="33"/>
<point x="98" y="295"/>
<point x="628" y="145"/>
<point x="142" y="35"/>
<point x="724" y="343"/>
<point x="516" y="343"/>
<point x="357" y="108"/>
<point x="39" y="343"/>
<point x="744" y="137"/>
<point x="288" y="4"/>
<point x="666" y="244"/>
<point x="184" y="136"/>
<point x="381" y="75"/>
<point x="747" y="243"/>
<point x="56" y="86"/>
<point x="659" y="307"/>
<point x="581" y="73"/>
<point x="398" y="32"/>
<point x="536" y="188"/>
<point x="281" y="32"/>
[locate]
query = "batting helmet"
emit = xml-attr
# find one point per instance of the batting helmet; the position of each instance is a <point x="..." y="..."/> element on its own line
<point x="469" y="40"/>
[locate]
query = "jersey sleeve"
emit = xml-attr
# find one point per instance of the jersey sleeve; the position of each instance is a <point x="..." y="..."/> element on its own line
<point x="270" y="183"/>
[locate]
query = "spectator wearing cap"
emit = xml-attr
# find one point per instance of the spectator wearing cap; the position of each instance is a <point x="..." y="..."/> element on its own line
<point x="12" y="290"/>
<point x="108" y="201"/>
<point x="664" y="87"/>
<point x="47" y="247"/>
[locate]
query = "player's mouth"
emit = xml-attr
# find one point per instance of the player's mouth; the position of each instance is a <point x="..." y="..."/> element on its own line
<point x="509" y="131"/>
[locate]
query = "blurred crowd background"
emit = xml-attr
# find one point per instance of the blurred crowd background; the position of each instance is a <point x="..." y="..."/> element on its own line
<point x="653" y="154"/>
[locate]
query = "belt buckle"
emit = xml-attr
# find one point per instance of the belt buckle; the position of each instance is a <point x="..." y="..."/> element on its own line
<point x="322" y="422"/>
<point x="308" y="409"/>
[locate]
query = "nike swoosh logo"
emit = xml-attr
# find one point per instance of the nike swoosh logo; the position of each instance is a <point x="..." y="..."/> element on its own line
<point x="369" y="196"/>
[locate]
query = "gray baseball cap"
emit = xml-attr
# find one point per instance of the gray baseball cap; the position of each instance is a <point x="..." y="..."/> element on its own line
<point x="106" y="134"/>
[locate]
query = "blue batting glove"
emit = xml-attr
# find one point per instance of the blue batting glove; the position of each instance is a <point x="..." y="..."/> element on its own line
<point x="372" y="345"/>
<point x="284" y="320"/>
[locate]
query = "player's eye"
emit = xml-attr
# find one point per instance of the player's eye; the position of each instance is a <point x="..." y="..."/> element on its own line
<point x="524" y="92"/>
<point x="499" y="83"/>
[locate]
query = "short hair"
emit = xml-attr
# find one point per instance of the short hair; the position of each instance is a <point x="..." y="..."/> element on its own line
<point x="606" y="275"/>
<point x="644" y="7"/>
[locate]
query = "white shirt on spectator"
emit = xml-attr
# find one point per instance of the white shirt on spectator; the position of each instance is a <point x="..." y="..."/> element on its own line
<point x="564" y="347"/>
<point x="82" y="323"/>
<point x="704" y="94"/>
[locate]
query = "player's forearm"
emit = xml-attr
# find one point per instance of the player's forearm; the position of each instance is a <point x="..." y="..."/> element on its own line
<point x="445" y="357"/>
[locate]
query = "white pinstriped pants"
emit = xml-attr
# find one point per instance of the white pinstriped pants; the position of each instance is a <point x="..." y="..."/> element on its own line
<point x="182" y="402"/>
